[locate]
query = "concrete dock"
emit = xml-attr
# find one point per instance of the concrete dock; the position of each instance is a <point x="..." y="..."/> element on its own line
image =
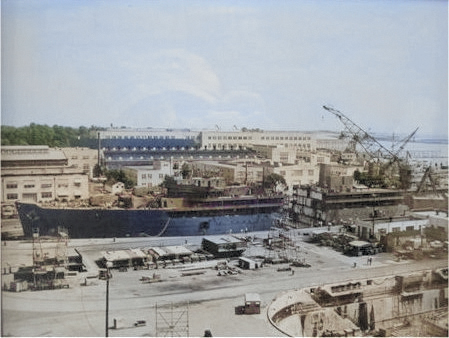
<point x="186" y="305"/>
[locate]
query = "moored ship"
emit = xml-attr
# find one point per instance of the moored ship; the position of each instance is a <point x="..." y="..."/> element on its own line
<point x="208" y="216"/>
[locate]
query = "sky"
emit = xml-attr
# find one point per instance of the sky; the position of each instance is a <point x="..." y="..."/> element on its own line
<point x="226" y="64"/>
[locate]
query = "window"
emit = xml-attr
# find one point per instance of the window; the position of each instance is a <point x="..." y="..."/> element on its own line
<point x="46" y="185"/>
<point x="409" y="228"/>
<point x="161" y="176"/>
<point x="11" y="185"/>
<point x="12" y="196"/>
<point x="29" y="185"/>
<point x="396" y="229"/>
<point x="46" y="195"/>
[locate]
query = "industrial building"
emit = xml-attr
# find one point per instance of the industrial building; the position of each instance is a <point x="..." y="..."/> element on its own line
<point x="315" y="206"/>
<point x="40" y="174"/>
<point x="149" y="175"/>
<point x="174" y="254"/>
<point x="246" y="172"/>
<point x="145" y="138"/>
<point x="123" y="258"/>
<point x="81" y="158"/>
<point x="224" y="246"/>
<point x="217" y="139"/>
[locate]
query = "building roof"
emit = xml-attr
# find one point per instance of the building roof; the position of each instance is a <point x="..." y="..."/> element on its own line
<point x="119" y="255"/>
<point x="31" y="153"/>
<point x="171" y="250"/>
<point x="222" y="239"/>
<point x="359" y="244"/>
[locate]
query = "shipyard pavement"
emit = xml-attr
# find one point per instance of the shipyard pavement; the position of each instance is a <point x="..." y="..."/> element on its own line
<point x="177" y="305"/>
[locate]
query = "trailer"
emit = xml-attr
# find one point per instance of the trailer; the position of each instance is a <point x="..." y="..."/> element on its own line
<point x="252" y="305"/>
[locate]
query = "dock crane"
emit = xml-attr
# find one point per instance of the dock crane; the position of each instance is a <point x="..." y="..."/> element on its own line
<point x="372" y="147"/>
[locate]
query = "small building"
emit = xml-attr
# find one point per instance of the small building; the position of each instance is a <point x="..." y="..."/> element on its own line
<point x="149" y="175"/>
<point x="172" y="253"/>
<point x="248" y="264"/>
<point x="116" y="188"/>
<point x="226" y="246"/>
<point x="359" y="248"/>
<point x="124" y="258"/>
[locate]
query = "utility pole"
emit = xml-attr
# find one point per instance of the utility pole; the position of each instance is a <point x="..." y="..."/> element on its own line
<point x="108" y="276"/>
<point x="374" y="213"/>
<point x="107" y="307"/>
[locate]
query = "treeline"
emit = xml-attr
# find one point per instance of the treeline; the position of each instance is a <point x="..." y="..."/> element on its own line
<point x="55" y="136"/>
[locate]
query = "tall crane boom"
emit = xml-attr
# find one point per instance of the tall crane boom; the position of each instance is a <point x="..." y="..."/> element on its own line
<point x="371" y="146"/>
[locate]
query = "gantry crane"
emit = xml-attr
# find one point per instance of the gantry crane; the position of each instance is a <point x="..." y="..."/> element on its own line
<point x="373" y="148"/>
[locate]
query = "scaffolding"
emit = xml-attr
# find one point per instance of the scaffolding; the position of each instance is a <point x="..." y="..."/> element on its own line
<point x="49" y="271"/>
<point x="172" y="320"/>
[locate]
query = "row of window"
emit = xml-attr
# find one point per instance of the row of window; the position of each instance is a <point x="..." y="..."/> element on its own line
<point x="150" y="176"/>
<point x="43" y="185"/>
<point x="230" y="137"/>
<point x="85" y="166"/>
<point x="85" y="157"/>
<point x="148" y="137"/>
<point x="281" y="138"/>
<point x="14" y="196"/>
<point x="310" y="172"/>
<point x="220" y="145"/>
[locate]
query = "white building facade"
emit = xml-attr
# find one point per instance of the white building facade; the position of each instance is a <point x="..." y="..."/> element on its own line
<point x="149" y="175"/>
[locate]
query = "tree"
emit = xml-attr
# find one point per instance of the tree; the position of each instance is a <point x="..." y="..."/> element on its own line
<point x="114" y="176"/>
<point x="185" y="170"/>
<point x="273" y="180"/>
<point x="97" y="171"/>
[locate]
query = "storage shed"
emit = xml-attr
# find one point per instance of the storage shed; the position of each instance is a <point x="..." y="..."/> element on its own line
<point x="225" y="246"/>
<point x="125" y="258"/>
<point x="246" y="263"/>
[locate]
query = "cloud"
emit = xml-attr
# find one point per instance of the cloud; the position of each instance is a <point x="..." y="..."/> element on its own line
<point x="258" y="64"/>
